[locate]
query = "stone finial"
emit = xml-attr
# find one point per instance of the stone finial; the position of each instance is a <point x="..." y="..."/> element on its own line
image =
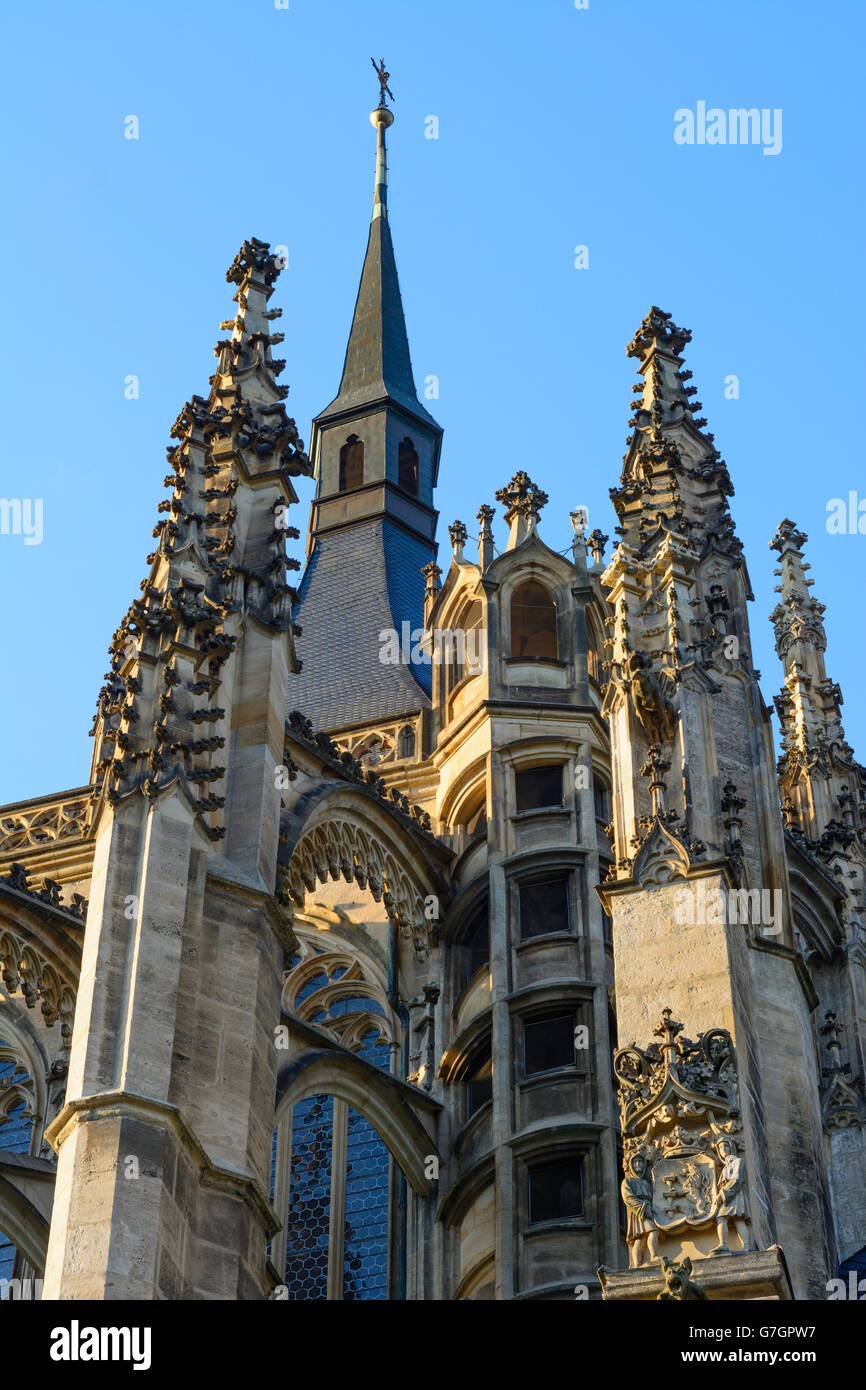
<point x="432" y="574"/>
<point x="655" y="768"/>
<point x="732" y="805"/>
<point x="597" y="540"/>
<point x="658" y="332"/>
<point x="485" y="537"/>
<point x="254" y="262"/>
<point x="458" y="533"/>
<point x="788" y="537"/>
<point x="523" y="502"/>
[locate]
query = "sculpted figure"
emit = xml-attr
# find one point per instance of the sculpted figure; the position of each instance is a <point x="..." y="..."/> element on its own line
<point x="654" y="712"/>
<point x="637" y="1194"/>
<point x="730" y="1206"/>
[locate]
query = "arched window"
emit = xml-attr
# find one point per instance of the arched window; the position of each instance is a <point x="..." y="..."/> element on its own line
<point x="462" y="650"/>
<point x="407" y="467"/>
<point x="601" y="799"/>
<point x="331" y="1171"/>
<point x="16" y="1131"/>
<point x="533" y="623"/>
<point x="406" y="743"/>
<point x="474" y="948"/>
<point x="593" y="649"/>
<point x="352" y="464"/>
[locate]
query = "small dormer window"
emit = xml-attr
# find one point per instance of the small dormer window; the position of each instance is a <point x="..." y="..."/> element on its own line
<point x="533" y="623"/>
<point x="352" y="464"/>
<point x="407" y="467"/>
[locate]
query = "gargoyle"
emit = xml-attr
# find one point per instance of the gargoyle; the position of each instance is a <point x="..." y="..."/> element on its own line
<point x="678" y="1283"/>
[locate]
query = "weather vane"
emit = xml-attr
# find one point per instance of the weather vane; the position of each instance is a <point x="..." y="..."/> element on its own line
<point x="384" y="89"/>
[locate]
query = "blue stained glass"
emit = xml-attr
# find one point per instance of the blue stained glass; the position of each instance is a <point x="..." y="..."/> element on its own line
<point x="309" y="1199"/>
<point x="339" y="1007"/>
<point x="315" y="982"/>
<point x="7" y="1257"/>
<point x="16" y="1134"/>
<point x="365" y="1261"/>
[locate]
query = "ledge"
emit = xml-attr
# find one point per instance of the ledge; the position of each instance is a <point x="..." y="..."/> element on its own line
<point x="752" y="1274"/>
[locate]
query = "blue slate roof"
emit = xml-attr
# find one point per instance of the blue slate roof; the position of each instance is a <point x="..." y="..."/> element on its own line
<point x="360" y="581"/>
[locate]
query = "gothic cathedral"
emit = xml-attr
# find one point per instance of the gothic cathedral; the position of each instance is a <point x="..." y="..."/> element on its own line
<point x="438" y="928"/>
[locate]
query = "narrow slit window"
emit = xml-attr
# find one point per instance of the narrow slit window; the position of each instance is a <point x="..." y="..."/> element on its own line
<point x="407" y="467"/>
<point x="352" y="464"/>
<point x="476" y="948"/>
<point x="479" y="1083"/>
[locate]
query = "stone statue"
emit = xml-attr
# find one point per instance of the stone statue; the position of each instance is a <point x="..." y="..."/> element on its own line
<point x="637" y="1195"/>
<point x="654" y="712"/>
<point x="731" y="1204"/>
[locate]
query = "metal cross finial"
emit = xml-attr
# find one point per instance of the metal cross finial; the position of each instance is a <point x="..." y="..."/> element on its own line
<point x="384" y="89"/>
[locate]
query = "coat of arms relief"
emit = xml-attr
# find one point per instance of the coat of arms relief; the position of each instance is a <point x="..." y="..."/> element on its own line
<point x="685" y="1188"/>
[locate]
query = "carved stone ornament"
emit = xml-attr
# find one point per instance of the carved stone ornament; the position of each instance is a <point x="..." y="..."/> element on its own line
<point x="685" y="1174"/>
<point x="655" y="713"/>
<point x="679" y="1286"/>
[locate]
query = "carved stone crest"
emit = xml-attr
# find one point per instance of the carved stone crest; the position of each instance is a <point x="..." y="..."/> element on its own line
<point x="685" y="1173"/>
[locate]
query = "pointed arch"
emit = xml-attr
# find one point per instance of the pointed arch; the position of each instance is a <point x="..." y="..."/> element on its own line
<point x="351" y="464"/>
<point x="533" y="622"/>
<point x="407" y="466"/>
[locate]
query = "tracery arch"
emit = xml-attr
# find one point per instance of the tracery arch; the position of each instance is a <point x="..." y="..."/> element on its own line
<point x="343" y="846"/>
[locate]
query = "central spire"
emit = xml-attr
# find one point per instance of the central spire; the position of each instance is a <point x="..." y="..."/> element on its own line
<point x="372" y="522"/>
<point x="378" y="366"/>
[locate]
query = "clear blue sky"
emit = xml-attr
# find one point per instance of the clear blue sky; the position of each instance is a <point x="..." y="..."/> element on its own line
<point x="556" y="129"/>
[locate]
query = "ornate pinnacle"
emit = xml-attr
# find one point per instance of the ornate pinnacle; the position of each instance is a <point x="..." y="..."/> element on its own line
<point x="788" y="537"/>
<point x="458" y="533"/>
<point x="523" y="502"/>
<point x="432" y="574"/>
<point x="658" y="330"/>
<point x="832" y="1031"/>
<point x="667" y="1029"/>
<point x="254" y="261"/>
<point x="521" y="495"/>
<point x="654" y="768"/>
<point x="597" y="541"/>
<point x="485" y="538"/>
<point x="731" y="804"/>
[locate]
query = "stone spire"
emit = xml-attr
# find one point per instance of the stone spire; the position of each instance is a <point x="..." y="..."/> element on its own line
<point x="818" y="777"/>
<point x="189" y="730"/>
<point x="673" y="478"/>
<point x="378" y="366"/>
<point x="375" y="450"/>
<point x="220" y="558"/>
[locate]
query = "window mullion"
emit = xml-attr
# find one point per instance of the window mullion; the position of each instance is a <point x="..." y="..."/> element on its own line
<point x="337" y="1226"/>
